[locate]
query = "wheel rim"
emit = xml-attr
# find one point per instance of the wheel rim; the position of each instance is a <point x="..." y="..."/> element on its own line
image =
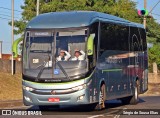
<point x="101" y="98"/>
<point x="136" y="93"/>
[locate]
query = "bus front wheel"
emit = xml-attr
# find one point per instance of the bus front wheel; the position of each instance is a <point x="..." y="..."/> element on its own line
<point x="101" y="103"/>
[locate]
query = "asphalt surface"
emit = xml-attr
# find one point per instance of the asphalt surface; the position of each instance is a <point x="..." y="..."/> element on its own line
<point x="148" y="107"/>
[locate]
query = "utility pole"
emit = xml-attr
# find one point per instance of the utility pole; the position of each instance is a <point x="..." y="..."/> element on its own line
<point x="144" y="19"/>
<point x="12" y="39"/>
<point x="37" y="7"/>
<point x="0" y="49"/>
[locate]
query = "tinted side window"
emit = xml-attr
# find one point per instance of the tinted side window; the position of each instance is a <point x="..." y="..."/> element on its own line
<point x="143" y="37"/>
<point x="137" y="39"/>
<point x="114" y="37"/>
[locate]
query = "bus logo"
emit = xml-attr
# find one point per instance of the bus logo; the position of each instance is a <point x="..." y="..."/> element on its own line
<point x="56" y="71"/>
<point x="53" y="92"/>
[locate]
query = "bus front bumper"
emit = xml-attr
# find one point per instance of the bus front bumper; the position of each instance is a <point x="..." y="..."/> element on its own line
<point x="79" y="97"/>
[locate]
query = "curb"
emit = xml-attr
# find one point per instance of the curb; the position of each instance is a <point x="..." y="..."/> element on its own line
<point x="11" y="103"/>
<point x="142" y="95"/>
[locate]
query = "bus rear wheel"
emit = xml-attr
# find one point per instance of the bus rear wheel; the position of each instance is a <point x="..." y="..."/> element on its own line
<point x="101" y="103"/>
<point x="135" y="97"/>
<point x="132" y="99"/>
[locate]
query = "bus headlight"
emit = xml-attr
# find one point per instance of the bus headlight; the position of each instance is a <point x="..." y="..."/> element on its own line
<point x="77" y="88"/>
<point x="27" y="88"/>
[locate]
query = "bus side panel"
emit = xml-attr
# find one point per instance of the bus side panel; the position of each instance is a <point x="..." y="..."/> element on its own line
<point x="113" y="68"/>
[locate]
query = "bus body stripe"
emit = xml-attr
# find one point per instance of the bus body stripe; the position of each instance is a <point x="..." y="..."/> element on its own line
<point x="111" y="70"/>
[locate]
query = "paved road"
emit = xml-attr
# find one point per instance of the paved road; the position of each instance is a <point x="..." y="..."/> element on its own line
<point x="114" y="109"/>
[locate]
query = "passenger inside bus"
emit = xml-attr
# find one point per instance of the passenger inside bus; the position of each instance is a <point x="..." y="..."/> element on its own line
<point x="78" y="55"/>
<point x="63" y="56"/>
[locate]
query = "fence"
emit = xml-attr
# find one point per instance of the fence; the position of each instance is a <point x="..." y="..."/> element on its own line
<point x="5" y="66"/>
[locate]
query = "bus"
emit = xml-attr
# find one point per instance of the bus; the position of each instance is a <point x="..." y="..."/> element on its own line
<point x="115" y="64"/>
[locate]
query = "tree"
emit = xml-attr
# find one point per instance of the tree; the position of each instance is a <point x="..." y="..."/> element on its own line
<point x="154" y="55"/>
<point x="153" y="31"/>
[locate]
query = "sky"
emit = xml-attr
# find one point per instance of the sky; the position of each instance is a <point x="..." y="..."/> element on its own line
<point x="5" y="16"/>
<point x="150" y="5"/>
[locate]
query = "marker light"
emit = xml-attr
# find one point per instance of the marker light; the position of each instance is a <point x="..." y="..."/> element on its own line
<point x="77" y="88"/>
<point x="27" y="88"/>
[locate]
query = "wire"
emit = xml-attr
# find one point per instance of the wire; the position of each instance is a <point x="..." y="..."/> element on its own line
<point x="4" y="41"/>
<point x="4" y="18"/>
<point x="9" y="9"/>
<point x="9" y="12"/>
<point x="8" y="15"/>
<point x="154" y="6"/>
<point x="155" y="14"/>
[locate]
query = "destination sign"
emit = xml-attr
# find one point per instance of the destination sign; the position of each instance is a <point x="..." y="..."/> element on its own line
<point x="41" y="34"/>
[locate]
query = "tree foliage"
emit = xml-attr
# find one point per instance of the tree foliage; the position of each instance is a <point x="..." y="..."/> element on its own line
<point x="154" y="55"/>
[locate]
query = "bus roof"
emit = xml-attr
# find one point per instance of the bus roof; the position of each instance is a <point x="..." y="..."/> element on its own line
<point x="73" y="19"/>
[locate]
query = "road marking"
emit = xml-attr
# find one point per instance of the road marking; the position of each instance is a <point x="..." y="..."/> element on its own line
<point x="95" y="116"/>
<point x="116" y="116"/>
<point x="112" y="112"/>
<point x="108" y="114"/>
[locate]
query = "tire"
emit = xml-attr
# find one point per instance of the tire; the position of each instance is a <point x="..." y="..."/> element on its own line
<point x="102" y="97"/>
<point x="132" y="99"/>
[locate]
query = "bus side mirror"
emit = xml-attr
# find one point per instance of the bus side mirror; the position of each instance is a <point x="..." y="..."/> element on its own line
<point x="15" y="47"/>
<point x="90" y="44"/>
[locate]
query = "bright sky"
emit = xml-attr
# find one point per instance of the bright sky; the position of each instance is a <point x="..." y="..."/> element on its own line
<point x="5" y="16"/>
<point x="150" y="5"/>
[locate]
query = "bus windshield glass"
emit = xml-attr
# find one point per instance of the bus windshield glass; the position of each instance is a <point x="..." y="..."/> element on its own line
<point x="55" y="55"/>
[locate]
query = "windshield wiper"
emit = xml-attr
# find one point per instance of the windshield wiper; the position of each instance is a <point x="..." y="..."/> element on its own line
<point x="62" y="69"/>
<point x="43" y="66"/>
<point x="41" y="70"/>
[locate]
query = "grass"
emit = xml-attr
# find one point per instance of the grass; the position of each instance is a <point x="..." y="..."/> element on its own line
<point x="10" y="86"/>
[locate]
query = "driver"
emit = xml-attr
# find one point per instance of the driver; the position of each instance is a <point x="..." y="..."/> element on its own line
<point x="63" y="56"/>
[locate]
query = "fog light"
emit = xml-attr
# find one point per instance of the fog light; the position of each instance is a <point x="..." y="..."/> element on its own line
<point x="81" y="97"/>
<point x="27" y="99"/>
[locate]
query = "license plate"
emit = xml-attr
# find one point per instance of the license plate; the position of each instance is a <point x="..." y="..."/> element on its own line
<point x="53" y="99"/>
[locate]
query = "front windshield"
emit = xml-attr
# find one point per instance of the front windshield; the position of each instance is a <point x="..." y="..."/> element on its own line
<point x="55" y="54"/>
